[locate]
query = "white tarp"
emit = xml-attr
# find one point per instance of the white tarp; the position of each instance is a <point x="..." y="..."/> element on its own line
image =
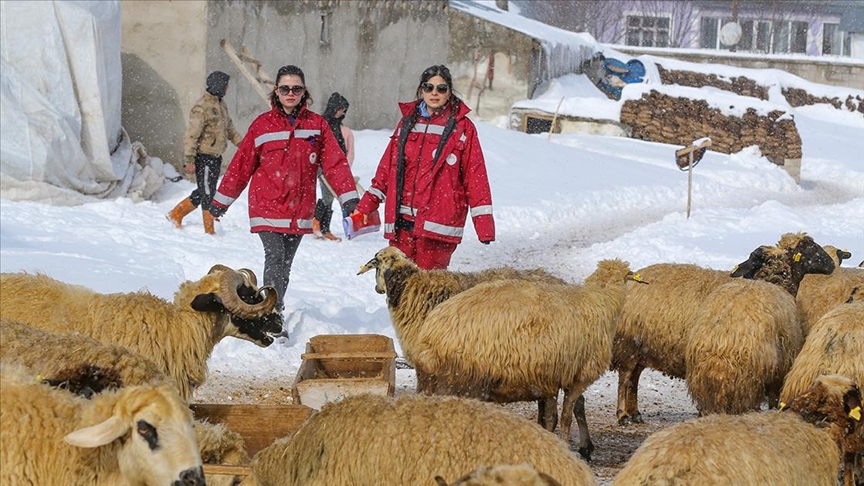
<point x="61" y="140"/>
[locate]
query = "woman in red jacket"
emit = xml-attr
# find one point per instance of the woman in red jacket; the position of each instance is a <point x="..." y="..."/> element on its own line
<point x="431" y="175"/>
<point x="280" y="155"/>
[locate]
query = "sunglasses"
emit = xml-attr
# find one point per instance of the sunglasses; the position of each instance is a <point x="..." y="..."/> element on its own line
<point x="295" y="90"/>
<point x="428" y="87"/>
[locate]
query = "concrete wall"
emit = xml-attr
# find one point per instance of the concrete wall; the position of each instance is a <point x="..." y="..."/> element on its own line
<point x="834" y="72"/>
<point x="164" y="71"/>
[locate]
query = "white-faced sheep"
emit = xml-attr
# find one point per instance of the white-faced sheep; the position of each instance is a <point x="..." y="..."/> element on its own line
<point x="801" y="445"/>
<point x="818" y="294"/>
<point x="744" y="339"/>
<point x="134" y="436"/>
<point x="84" y="366"/>
<point x="510" y="475"/>
<point x="178" y="336"/>
<point x="368" y="439"/>
<point x="656" y="319"/>
<point x="412" y="293"/>
<point x="512" y="341"/>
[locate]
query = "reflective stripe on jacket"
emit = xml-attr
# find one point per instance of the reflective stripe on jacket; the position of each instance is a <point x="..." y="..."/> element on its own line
<point x="436" y="195"/>
<point x="280" y="163"/>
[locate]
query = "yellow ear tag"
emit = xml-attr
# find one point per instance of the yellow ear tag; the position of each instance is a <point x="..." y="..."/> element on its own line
<point x="797" y="257"/>
<point x="855" y="413"/>
<point x="40" y="378"/>
<point x="637" y="277"/>
<point x="735" y="269"/>
<point x="782" y="405"/>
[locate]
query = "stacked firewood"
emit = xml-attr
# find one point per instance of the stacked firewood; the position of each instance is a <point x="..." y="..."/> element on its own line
<point x="738" y="85"/>
<point x="798" y="97"/>
<point x="667" y="119"/>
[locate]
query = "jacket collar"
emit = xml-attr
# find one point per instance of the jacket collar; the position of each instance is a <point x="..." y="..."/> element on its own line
<point x="409" y="106"/>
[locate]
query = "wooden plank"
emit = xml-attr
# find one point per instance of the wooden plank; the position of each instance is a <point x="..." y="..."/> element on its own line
<point x="226" y="470"/>
<point x="317" y="393"/>
<point x="351" y="355"/>
<point x="256" y="84"/>
<point x="259" y="425"/>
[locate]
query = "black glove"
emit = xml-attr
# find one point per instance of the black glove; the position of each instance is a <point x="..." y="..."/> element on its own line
<point x="216" y="211"/>
<point x="485" y="242"/>
<point x="350" y="205"/>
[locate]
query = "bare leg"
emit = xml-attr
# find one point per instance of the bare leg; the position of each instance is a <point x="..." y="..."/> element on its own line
<point x="568" y="410"/>
<point x="586" y="445"/>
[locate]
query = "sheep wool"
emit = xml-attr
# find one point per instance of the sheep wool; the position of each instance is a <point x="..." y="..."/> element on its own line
<point x="133" y="436"/>
<point x="176" y="337"/>
<point x="819" y="294"/>
<point x="219" y="445"/>
<point x="370" y="439"/>
<point x="511" y="475"/>
<point x="510" y="340"/>
<point x="834" y="345"/>
<point x="755" y="448"/>
<point x="744" y="339"/>
<point x="655" y="324"/>
<point x="51" y="354"/>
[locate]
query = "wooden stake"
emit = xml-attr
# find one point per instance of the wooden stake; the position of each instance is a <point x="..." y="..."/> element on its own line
<point x="554" y="118"/>
<point x="689" y="183"/>
<point x="232" y="54"/>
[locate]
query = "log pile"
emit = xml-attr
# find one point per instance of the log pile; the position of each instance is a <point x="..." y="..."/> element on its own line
<point x="740" y="85"/>
<point x="661" y="118"/>
<point x="798" y="97"/>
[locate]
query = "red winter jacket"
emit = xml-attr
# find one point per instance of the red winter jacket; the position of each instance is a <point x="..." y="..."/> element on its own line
<point x="282" y="162"/>
<point x="437" y="197"/>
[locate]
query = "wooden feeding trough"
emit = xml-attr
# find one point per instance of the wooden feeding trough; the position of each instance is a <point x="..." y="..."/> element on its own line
<point x="259" y="425"/>
<point x="338" y="365"/>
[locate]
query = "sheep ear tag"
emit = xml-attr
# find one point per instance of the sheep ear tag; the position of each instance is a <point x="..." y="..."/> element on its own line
<point x="855" y="413"/>
<point x="797" y="257"/>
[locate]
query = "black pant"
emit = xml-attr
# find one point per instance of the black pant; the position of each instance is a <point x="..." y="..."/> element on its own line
<point x="207" y="170"/>
<point x="279" y="251"/>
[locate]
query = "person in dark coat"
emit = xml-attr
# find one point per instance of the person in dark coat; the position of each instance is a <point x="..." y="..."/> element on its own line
<point x="334" y="113"/>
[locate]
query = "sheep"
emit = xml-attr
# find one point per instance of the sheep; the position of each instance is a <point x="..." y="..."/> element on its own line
<point x="743" y="341"/>
<point x="68" y="358"/>
<point x="510" y="340"/>
<point x="139" y="435"/>
<point x="84" y="366"/>
<point x="368" y="439"/>
<point x="511" y="475"/>
<point x="656" y="319"/>
<point x="220" y="445"/>
<point x="801" y="445"/>
<point x="834" y="345"/>
<point x="818" y="294"/>
<point x="178" y="336"/>
<point x="412" y="293"/>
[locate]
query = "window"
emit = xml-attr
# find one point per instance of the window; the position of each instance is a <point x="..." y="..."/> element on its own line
<point x="799" y="37"/>
<point x="710" y="34"/>
<point x="780" y="42"/>
<point x="326" y="18"/>
<point x="835" y="42"/>
<point x="789" y="37"/>
<point x="647" y="31"/>
<point x="763" y="36"/>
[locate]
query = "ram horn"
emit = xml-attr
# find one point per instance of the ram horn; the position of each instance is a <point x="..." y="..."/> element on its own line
<point x="249" y="275"/>
<point x="230" y="282"/>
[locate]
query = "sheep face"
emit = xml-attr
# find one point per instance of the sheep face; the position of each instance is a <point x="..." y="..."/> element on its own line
<point x="837" y="255"/>
<point x="383" y="263"/>
<point x="246" y="311"/>
<point x="818" y="405"/>
<point x="152" y="428"/>
<point x="775" y="264"/>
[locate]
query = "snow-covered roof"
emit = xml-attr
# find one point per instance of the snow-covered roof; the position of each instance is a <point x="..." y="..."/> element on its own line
<point x="565" y="50"/>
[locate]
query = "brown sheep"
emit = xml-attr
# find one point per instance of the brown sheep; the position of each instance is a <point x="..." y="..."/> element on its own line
<point x="412" y="293"/>
<point x="801" y="445"/>
<point x="369" y="439"/>
<point x="178" y="336"/>
<point x="743" y="341"/>
<point x="510" y="341"/>
<point x="656" y="320"/>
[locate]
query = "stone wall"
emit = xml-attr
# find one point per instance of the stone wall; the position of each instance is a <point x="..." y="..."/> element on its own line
<point x="661" y="118"/>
